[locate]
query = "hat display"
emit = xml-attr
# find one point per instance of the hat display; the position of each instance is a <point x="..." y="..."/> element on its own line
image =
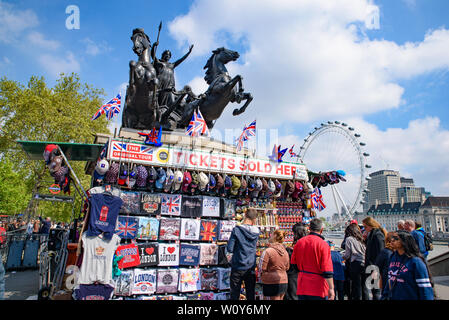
<point x="227" y="182"/>
<point x="123" y="174"/>
<point x="251" y="184"/>
<point x="161" y="176"/>
<point x="49" y="152"/>
<point x="243" y="185"/>
<point x="187" y="180"/>
<point x="102" y="167"/>
<point x="112" y="174"/>
<point x="212" y="182"/>
<point x="132" y="178"/>
<point x="258" y="187"/>
<point x="235" y="185"/>
<point x="169" y="180"/>
<point x="142" y="175"/>
<point x="203" y="181"/>
<point x="220" y="181"/>
<point x="177" y="182"/>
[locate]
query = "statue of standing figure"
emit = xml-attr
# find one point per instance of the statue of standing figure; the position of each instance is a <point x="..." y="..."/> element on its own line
<point x="165" y="71"/>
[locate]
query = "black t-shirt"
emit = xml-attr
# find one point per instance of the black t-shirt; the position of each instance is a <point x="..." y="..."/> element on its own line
<point x="191" y="207"/>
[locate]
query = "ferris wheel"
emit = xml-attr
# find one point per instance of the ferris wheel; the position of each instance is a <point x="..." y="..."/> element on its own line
<point x="333" y="146"/>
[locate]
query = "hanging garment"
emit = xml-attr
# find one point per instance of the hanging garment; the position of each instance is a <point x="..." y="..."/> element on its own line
<point x="131" y="202"/>
<point x="104" y="210"/>
<point x="191" y="207"/>
<point x="208" y="230"/>
<point x="150" y="203"/>
<point x="148" y="228"/>
<point x="189" y="254"/>
<point x="171" y="204"/>
<point x="209" y="279"/>
<point x="190" y="229"/>
<point x="127" y="227"/>
<point x="144" y="281"/>
<point x="208" y="254"/>
<point x="130" y="255"/>
<point x="189" y="280"/>
<point x="211" y="207"/>
<point x="169" y="228"/>
<point x="167" y="280"/>
<point x="93" y="292"/>
<point x="168" y="254"/>
<point x="148" y="254"/>
<point x="124" y="283"/>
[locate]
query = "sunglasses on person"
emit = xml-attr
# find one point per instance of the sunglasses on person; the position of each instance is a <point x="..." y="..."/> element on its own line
<point x="394" y="238"/>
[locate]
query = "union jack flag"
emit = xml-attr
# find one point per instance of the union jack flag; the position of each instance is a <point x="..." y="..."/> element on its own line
<point x="109" y="109"/>
<point x="171" y="204"/>
<point x="208" y="230"/>
<point x="293" y="154"/>
<point x="277" y="153"/>
<point x="122" y="147"/>
<point x="317" y="199"/>
<point x="197" y="125"/>
<point x="127" y="227"/>
<point x="153" y="138"/>
<point x="248" y="131"/>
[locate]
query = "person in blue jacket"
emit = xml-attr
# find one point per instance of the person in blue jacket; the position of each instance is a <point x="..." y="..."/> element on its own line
<point x="339" y="272"/>
<point x="242" y="244"/>
<point x="418" y="236"/>
<point x="408" y="274"/>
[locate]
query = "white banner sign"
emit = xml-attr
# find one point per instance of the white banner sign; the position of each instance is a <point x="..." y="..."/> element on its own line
<point x="173" y="156"/>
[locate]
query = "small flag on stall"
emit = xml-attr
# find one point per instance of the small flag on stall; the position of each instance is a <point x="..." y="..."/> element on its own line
<point x="248" y="131"/>
<point x="153" y="138"/>
<point x="317" y="199"/>
<point x="197" y="125"/>
<point x="277" y="153"/>
<point x="109" y="109"/>
<point x="293" y="154"/>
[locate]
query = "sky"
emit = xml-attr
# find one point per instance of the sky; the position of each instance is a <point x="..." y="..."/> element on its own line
<point x="381" y="66"/>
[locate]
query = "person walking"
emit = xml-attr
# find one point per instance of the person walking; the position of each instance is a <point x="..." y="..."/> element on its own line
<point x="408" y="274"/>
<point x="45" y="225"/>
<point x="355" y="252"/>
<point x="375" y="242"/>
<point x="242" y="244"/>
<point x="299" y="231"/>
<point x="383" y="260"/>
<point x="312" y="256"/>
<point x="339" y="272"/>
<point x="418" y="236"/>
<point x="273" y="265"/>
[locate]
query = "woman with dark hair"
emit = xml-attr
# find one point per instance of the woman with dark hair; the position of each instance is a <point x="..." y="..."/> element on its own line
<point x="408" y="274"/>
<point x="299" y="230"/>
<point x="383" y="260"/>
<point x="355" y="254"/>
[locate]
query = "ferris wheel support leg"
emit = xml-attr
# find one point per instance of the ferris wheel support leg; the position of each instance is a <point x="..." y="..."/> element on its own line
<point x="335" y="200"/>
<point x="344" y="205"/>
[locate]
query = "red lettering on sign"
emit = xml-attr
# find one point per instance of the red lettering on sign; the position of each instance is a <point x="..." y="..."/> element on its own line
<point x="231" y="165"/>
<point x="280" y="169"/>
<point x="133" y="148"/>
<point x="213" y="161"/>
<point x="251" y="166"/>
<point x="222" y="162"/>
<point x="204" y="160"/>
<point x="287" y="170"/>
<point x="191" y="161"/>
<point x="267" y="167"/>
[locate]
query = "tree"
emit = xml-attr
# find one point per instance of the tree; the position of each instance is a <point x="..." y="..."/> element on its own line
<point x="35" y="112"/>
<point x="13" y="192"/>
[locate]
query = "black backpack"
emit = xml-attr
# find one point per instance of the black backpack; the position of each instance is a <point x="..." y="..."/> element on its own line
<point x="428" y="242"/>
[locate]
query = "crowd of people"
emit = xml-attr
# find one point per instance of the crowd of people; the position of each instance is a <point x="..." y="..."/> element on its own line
<point x="372" y="264"/>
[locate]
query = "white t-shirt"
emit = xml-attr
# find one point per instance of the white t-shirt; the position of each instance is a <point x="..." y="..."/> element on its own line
<point x="97" y="259"/>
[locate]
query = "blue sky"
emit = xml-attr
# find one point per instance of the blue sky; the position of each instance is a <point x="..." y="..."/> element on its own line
<point x="305" y="62"/>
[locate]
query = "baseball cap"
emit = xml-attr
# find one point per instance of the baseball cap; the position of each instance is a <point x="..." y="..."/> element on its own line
<point x="289" y="188"/>
<point x="111" y="175"/>
<point x="278" y="186"/>
<point x="227" y="182"/>
<point x="142" y="175"/>
<point x="251" y="184"/>
<point x="169" y="180"/>
<point x="102" y="167"/>
<point x="203" y="181"/>
<point x="258" y="188"/>
<point x="49" y="152"/>
<point x="297" y="191"/>
<point x="123" y="174"/>
<point x="212" y="182"/>
<point x="177" y="182"/>
<point x="187" y="179"/>
<point x="132" y="178"/>
<point x="220" y="181"/>
<point x="243" y="185"/>
<point x="235" y="185"/>
<point x="354" y="221"/>
<point x="161" y="176"/>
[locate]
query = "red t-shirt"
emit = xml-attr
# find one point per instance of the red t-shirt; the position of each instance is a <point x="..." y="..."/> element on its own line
<point x="2" y="235"/>
<point x="312" y="255"/>
<point x="130" y="253"/>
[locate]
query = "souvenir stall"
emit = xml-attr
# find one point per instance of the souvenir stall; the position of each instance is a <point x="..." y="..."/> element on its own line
<point x="158" y="217"/>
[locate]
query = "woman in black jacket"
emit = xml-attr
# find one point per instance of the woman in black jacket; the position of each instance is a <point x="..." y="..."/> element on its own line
<point x="375" y="242"/>
<point x="383" y="260"/>
<point x="299" y="231"/>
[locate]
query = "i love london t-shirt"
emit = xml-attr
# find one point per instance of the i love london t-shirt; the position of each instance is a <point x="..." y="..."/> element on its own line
<point x="168" y="254"/>
<point x="148" y="254"/>
<point x="97" y="259"/>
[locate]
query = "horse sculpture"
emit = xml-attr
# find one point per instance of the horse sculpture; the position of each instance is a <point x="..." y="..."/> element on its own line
<point x="222" y="90"/>
<point x="141" y="108"/>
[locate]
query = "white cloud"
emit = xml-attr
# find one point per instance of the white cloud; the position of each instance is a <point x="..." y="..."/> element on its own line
<point x="55" y="65"/>
<point x="306" y="59"/>
<point x="94" y="48"/>
<point x="39" y="40"/>
<point x="13" y="22"/>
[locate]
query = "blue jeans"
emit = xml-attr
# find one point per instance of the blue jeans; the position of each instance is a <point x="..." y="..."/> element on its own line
<point x="2" y="280"/>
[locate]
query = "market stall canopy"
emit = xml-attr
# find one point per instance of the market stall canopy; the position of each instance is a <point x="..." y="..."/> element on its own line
<point x="73" y="151"/>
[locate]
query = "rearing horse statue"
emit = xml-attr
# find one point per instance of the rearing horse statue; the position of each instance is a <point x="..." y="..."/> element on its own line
<point x="141" y="108"/>
<point x="222" y="90"/>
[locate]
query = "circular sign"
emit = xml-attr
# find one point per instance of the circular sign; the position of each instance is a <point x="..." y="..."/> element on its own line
<point x="162" y="155"/>
<point x="54" y="189"/>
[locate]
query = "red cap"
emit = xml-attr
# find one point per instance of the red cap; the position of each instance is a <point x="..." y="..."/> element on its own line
<point x="354" y="221"/>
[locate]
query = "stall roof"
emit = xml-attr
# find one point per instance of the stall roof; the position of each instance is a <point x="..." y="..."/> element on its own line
<point x="73" y="151"/>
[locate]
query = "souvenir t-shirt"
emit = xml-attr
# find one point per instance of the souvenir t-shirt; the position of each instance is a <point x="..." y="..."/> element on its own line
<point x="222" y="296"/>
<point x="223" y="256"/>
<point x="123" y="283"/>
<point x="167" y="280"/>
<point x="168" y="254"/>
<point x="190" y="229"/>
<point x="189" y="254"/>
<point x="130" y="255"/>
<point x="93" y="292"/>
<point x="148" y="253"/>
<point x="208" y="254"/>
<point x="103" y="214"/>
<point x="144" y="281"/>
<point x="98" y="253"/>
<point x="127" y="227"/>
<point x="207" y="296"/>
<point x="193" y="296"/>
<point x="211" y="207"/>
<point x="209" y="279"/>
<point x="148" y="228"/>
<point x="189" y="280"/>
<point x="224" y="278"/>
<point x="208" y="230"/>
<point x="131" y="202"/>
<point x="171" y="204"/>
<point x="227" y="208"/>
<point x="169" y="229"/>
<point x="191" y="207"/>
<point x="225" y="228"/>
<point x="150" y="203"/>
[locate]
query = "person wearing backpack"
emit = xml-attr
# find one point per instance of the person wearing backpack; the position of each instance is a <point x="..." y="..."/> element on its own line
<point x="427" y="238"/>
<point x="418" y="236"/>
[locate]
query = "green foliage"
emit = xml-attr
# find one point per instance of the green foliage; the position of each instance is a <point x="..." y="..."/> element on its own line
<point x="13" y="192"/>
<point x="35" y="112"/>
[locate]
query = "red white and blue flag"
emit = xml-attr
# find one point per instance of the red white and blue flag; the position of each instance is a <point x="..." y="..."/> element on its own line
<point x="171" y="204"/>
<point x="317" y="199"/>
<point x="197" y="125"/>
<point x="109" y="109"/>
<point x="153" y="138"/>
<point x="123" y="148"/>
<point x="248" y="131"/>
<point x="293" y="154"/>
<point x="277" y="154"/>
<point x="127" y="227"/>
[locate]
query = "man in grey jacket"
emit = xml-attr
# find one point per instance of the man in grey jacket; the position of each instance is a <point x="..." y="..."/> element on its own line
<point x="242" y="244"/>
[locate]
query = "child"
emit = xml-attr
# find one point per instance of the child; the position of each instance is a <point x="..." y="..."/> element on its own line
<point x="339" y="273"/>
